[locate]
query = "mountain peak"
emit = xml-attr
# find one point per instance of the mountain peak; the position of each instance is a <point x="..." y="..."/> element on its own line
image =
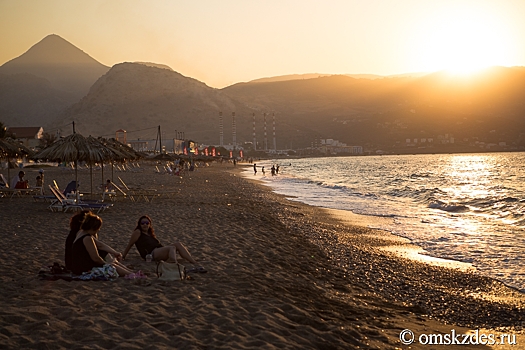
<point x="65" y="66"/>
<point x="52" y="50"/>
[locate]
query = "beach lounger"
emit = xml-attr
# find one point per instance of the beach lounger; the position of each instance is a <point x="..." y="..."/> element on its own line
<point x="61" y="203"/>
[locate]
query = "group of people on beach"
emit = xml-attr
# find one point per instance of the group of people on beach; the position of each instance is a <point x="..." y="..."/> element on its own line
<point x="86" y="254"/>
<point x="19" y="181"/>
<point x="274" y="170"/>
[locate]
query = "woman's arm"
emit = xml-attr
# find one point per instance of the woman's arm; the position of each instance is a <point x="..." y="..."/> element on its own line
<point x="134" y="237"/>
<point x="91" y="248"/>
<point x="103" y="246"/>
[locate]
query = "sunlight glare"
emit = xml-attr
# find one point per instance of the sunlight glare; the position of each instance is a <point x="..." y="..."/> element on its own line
<point x="464" y="41"/>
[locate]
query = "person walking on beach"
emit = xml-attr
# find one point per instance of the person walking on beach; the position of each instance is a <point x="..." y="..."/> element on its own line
<point x="262" y="169"/>
<point x="85" y="257"/>
<point x="254" y="169"/>
<point x="146" y="242"/>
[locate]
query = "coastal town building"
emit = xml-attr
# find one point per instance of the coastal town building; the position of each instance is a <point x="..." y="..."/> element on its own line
<point x="334" y="147"/>
<point x="28" y="136"/>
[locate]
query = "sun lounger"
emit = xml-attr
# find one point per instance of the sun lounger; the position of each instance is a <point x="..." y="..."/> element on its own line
<point x="61" y="203"/>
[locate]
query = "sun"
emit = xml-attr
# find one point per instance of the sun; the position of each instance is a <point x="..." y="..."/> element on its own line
<point x="463" y="40"/>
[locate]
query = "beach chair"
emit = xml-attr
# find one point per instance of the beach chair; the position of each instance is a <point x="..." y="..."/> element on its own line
<point x="136" y="194"/>
<point x="44" y="197"/>
<point x="112" y="192"/>
<point x="62" y="203"/>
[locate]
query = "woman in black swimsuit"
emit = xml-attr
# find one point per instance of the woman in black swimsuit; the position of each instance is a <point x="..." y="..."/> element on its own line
<point x="146" y="242"/>
<point x="84" y="253"/>
<point x="74" y="224"/>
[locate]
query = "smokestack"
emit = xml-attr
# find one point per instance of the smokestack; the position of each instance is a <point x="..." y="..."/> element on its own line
<point x="254" y="139"/>
<point x="234" y="131"/>
<point x="221" y="140"/>
<point x="265" y="135"/>
<point x="274" y="140"/>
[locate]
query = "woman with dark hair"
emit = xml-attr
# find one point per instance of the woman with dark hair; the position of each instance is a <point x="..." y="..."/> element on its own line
<point x="74" y="226"/>
<point x="84" y="253"/>
<point x="144" y="238"/>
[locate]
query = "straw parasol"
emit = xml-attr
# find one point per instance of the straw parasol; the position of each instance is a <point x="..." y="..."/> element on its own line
<point x="73" y="148"/>
<point x="119" y="152"/>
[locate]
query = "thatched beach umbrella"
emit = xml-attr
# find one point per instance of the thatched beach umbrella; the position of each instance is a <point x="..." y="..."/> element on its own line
<point x="72" y="148"/>
<point x="119" y="153"/>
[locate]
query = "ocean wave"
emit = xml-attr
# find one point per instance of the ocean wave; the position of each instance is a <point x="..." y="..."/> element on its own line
<point x="451" y="208"/>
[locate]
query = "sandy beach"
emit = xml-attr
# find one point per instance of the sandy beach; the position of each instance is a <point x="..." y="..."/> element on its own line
<point x="281" y="275"/>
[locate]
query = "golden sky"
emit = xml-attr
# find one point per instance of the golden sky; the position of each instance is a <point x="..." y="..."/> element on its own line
<point x="222" y="42"/>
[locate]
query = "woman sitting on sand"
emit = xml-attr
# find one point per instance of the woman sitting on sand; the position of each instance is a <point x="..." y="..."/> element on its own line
<point x="146" y="242"/>
<point x="84" y="253"/>
<point x="74" y="225"/>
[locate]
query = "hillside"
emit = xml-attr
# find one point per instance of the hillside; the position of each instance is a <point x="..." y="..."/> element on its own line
<point x="133" y="96"/>
<point x="38" y="85"/>
<point x="382" y="112"/>
<point x="28" y="100"/>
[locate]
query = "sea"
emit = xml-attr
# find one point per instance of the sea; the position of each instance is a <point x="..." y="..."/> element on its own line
<point x="464" y="207"/>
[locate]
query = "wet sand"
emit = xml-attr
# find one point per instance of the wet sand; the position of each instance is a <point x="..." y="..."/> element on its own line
<point x="281" y="275"/>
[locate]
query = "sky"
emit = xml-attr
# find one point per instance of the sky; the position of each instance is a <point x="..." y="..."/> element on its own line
<point x="223" y="42"/>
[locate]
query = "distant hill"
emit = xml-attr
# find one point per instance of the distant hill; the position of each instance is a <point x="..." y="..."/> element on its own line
<point x="318" y="75"/>
<point x="134" y="96"/>
<point x="43" y="81"/>
<point x="489" y="106"/>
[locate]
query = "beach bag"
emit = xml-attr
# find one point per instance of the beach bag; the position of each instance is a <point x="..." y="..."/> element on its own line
<point x="170" y="271"/>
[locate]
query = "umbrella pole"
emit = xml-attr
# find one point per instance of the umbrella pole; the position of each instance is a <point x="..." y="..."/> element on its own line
<point x="76" y="180"/>
<point x="91" y="176"/>
<point x="102" y="165"/>
<point x="112" y="167"/>
<point x="8" y="184"/>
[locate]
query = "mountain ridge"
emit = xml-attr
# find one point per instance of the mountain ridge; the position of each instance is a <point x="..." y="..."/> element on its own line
<point x="381" y="112"/>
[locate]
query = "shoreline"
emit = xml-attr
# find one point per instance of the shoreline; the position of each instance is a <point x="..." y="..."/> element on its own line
<point x="282" y="274"/>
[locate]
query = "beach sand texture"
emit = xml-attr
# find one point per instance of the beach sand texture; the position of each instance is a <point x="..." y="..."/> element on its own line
<point x="282" y="275"/>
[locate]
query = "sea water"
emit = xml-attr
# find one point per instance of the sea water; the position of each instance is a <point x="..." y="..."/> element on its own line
<point x="464" y="207"/>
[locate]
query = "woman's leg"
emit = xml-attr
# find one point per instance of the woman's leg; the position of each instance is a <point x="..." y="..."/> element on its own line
<point x="122" y="271"/>
<point x="167" y="253"/>
<point x="184" y="253"/>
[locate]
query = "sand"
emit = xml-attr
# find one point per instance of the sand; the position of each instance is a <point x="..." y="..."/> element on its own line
<point x="282" y="275"/>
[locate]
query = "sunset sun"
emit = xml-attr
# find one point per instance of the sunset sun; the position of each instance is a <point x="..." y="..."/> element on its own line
<point x="464" y="41"/>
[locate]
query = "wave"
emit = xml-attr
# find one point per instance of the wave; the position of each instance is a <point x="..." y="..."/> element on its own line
<point x="451" y="208"/>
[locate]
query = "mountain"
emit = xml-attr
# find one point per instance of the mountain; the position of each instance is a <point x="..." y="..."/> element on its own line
<point x="65" y="66"/>
<point x="317" y="75"/>
<point x="134" y="96"/>
<point x="38" y="85"/>
<point x="55" y="83"/>
<point x="28" y="100"/>
<point x="489" y="106"/>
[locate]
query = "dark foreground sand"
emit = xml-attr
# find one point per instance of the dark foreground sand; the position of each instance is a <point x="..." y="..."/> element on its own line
<point x="282" y="275"/>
